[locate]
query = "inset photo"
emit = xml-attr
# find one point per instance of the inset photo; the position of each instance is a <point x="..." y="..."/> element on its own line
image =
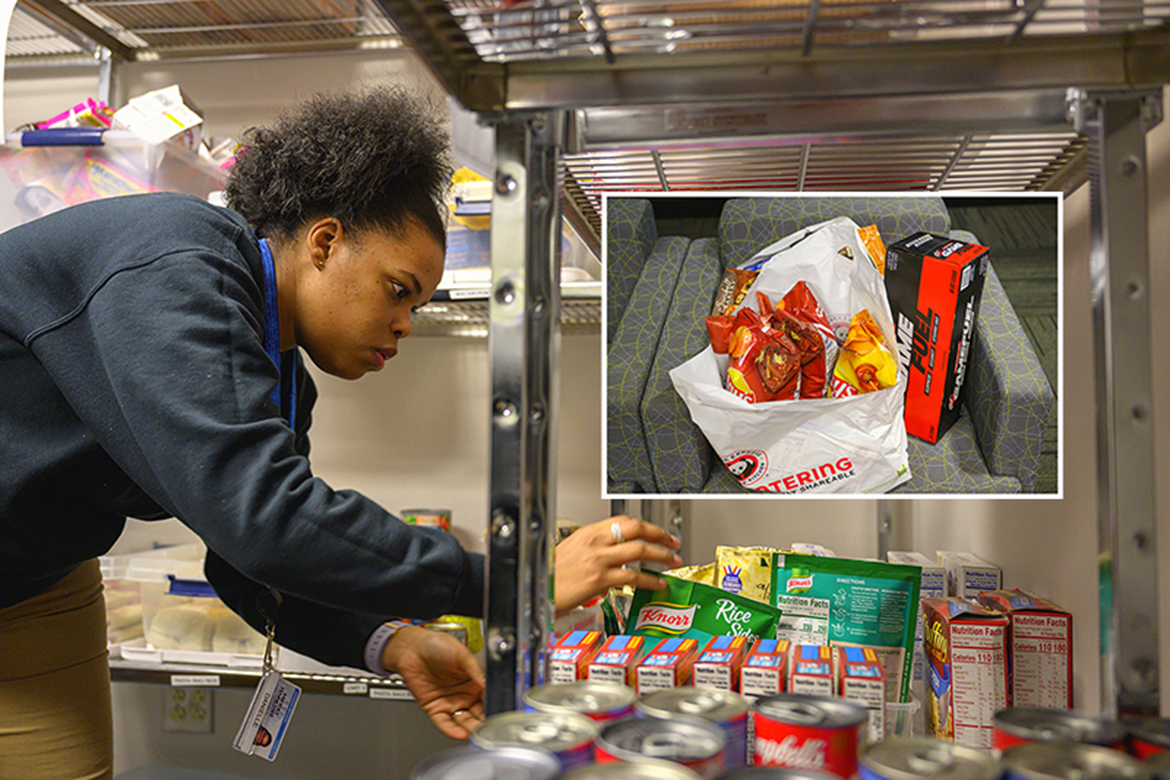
<point x="832" y="344"/>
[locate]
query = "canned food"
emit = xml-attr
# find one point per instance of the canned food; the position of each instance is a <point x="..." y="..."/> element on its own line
<point x="727" y="710"/>
<point x="567" y="736"/>
<point x="456" y="630"/>
<point x="1016" y="725"/>
<point x="435" y="518"/>
<point x="601" y="701"/>
<point x="911" y="758"/>
<point x="511" y="763"/>
<point x="1159" y="765"/>
<point x="684" y="739"/>
<point x="774" y="773"/>
<point x="1148" y="736"/>
<point x="1064" y="761"/>
<point x="643" y="769"/>
<point x="809" y="732"/>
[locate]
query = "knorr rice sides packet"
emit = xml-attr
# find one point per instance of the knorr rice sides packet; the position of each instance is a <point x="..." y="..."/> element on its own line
<point x="842" y="601"/>
<point x="691" y="609"/>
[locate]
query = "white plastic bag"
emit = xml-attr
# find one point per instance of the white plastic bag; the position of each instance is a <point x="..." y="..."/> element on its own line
<point x="830" y="445"/>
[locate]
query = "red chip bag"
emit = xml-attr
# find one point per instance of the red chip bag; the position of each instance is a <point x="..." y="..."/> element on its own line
<point x="802" y="304"/>
<point x="764" y="364"/>
<point x="719" y="329"/>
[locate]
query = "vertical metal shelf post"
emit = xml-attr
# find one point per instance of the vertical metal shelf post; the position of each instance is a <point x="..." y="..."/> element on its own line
<point x="524" y="341"/>
<point x="1116" y="124"/>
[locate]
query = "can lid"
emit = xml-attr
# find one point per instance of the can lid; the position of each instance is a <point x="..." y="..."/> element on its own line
<point x="713" y="705"/>
<point x="1056" y="761"/>
<point x="509" y="763"/>
<point x="643" y="769"/>
<point x="804" y="710"/>
<point x="586" y="696"/>
<point x="681" y="738"/>
<point x="554" y="731"/>
<point x="1039" y="724"/>
<point x="912" y="758"/>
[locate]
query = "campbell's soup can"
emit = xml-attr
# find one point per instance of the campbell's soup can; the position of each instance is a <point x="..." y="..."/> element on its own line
<point x="684" y="739"/>
<point x="727" y="710"/>
<point x="774" y="773"/>
<point x="1159" y="765"/>
<point x="642" y="769"/>
<point x="809" y="732"/>
<point x="1148" y="736"/>
<point x="1069" y="761"/>
<point x="911" y="758"/>
<point x="601" y="701"/>
<point x="1017" y="725"/>
<point x="566" y="735"/>
<point x="463" y="763"/>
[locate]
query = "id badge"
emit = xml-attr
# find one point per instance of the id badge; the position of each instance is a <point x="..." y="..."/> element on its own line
<point x="267" y="717"/>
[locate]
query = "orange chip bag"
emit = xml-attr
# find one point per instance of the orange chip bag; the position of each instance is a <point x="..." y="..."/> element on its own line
<point x="719" y="329"/>
<point x="865" y="363"/>
<point x="764" y="364"/>
<point x="732" y="290"/>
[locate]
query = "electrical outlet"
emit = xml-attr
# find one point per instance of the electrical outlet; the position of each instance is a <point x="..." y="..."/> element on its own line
<point x="188" y="709"/>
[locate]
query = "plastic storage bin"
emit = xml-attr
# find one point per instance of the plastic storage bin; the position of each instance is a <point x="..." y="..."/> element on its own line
<point x="123" y="599"/>
<point x="37" y="180"/>
<point x="182" y="618"/>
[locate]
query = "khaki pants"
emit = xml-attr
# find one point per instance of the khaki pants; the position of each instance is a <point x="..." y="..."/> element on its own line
<point x="55" y="717"/>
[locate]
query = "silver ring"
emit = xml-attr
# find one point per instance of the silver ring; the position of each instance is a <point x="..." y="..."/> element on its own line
<point x="615" y="528"/>
<point x="456" y="712"/>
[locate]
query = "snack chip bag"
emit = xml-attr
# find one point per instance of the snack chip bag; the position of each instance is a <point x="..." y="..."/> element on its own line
<point x="764" y="364"/>
<point x="719" y="329"/>
<point x="694" y="610"/>
<point x="745" y="570"/>
<point x="865" y="363"/>
<point x="704" y="573"/>
<point x="802" y="304"/>
<point x="732" y="290"/>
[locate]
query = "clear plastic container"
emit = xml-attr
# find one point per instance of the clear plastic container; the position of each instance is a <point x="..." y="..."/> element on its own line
<point x="904" y="719"/>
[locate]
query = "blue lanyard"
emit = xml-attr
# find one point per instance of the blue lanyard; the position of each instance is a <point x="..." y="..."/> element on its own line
<point x="272" y="335"/>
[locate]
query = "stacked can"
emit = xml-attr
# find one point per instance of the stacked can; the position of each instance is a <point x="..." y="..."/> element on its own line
<point x="567" y="736"/>
<point x="1148" y="737"/>
<point x="913" y="758"/>
<point x="468" y="761"/>
<point x="1017" y="725"/>
<point x="727" y="710"/>
<point x="809" y="732"/>
<point x="774" y="773"/>
<point x="646" y="769"/>
<point x="692" y="742"/>
<point x="600" y="701"/>
<point x="1063" y="760"/>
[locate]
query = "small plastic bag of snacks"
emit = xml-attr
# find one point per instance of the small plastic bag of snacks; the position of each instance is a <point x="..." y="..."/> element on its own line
<point x="813" y="444"/>
<point x="763" y="363"/>
<point x="866" y="363"/>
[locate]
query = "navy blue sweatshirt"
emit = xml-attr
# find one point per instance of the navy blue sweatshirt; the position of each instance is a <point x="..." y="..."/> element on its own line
<point x="134" y="383"/>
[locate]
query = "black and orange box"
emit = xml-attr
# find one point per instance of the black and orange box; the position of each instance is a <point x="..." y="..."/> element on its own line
<point x="934" y="285"/>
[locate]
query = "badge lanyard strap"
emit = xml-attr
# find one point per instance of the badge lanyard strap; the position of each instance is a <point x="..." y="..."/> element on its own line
<point x="272" y="334"/>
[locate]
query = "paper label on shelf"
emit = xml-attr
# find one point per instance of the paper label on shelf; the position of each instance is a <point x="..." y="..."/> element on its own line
<point x="400" y="694"/>
<point x="360" y="688"/>
<point x="195" y="680"/>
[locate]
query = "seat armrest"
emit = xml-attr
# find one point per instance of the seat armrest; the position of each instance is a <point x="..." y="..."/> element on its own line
<point x="630" y="235"/>
<point x="1007" y="393"/>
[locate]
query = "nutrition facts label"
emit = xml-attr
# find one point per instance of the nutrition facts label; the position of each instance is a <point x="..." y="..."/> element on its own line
<point x="978" y="680"/>
<point x="1041" y="660"/>
<point x="804" y="620"/>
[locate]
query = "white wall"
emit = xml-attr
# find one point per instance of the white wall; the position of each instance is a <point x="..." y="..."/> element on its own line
<point x="418" y="434"/>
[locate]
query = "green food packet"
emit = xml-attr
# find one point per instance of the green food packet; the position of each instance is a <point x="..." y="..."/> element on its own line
<point x="842" y="601"/>
<point x="692" y="609"/>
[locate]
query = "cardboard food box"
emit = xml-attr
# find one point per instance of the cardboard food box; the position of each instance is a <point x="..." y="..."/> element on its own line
<point x="810" y="670"/>
<point x="718" y="666"/>
<point x="966" y="647"/>
<point x="862" y="680"/>
<point x="667" y="666"/>
<point x="1039" y="648"/>
<point x="615" y="659"/>
<point x="763" y="672"/>
<point x="968" y="575"/>
<point x="934" y="285"/>
<point x="568" y="659"/>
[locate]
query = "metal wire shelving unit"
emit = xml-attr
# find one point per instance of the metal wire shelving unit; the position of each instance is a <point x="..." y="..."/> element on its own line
<point x="595" y="96"/>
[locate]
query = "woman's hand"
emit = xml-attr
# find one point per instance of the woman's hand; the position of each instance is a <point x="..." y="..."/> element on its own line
<point x="443" y="675"/>
<point x="589" y="562"/>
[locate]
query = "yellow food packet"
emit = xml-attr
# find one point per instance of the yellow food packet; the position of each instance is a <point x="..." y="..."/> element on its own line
<point x="746" y="571"/>
<point x="865" y="363"/>
<point x="704" y="573"/>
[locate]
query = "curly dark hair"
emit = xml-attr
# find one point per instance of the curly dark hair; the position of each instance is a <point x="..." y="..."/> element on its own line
<point x="374" y="158"/>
